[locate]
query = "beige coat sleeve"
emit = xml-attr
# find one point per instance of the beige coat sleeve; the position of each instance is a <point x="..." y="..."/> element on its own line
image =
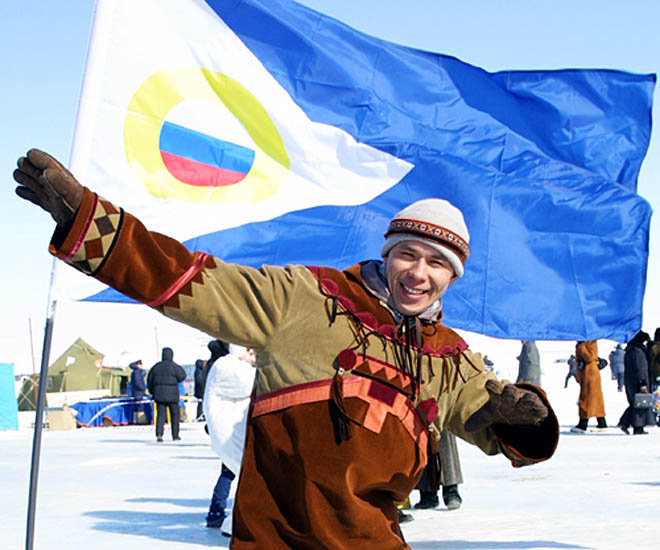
<point x="523" y="445"/>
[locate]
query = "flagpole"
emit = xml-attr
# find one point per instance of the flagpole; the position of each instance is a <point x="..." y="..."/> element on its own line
<point x="38" y="420"/>
<point x="79" y="151"/>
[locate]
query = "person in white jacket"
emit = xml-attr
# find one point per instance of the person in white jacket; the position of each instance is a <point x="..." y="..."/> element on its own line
<point x="226" y="402"/>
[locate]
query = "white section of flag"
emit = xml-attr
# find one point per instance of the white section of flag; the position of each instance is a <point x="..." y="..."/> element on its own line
<point x="133" y="40"/>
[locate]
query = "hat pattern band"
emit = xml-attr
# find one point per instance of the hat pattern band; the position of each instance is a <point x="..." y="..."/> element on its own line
<point x="432" y="232"/>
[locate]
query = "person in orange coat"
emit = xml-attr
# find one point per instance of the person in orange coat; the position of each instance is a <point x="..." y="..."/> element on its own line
<point x="590" y="402"/>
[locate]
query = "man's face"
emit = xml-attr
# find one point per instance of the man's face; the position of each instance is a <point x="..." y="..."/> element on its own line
<point x="417" y="275"/>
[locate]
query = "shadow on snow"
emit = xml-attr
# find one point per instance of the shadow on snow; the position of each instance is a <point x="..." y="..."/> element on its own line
<point x="489" y="545"/>
<point x="166" y="526"/>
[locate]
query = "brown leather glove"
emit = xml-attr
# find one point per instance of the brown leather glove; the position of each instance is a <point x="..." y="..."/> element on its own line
<point x="508" y="404"/>
<point x="48" y="184"/>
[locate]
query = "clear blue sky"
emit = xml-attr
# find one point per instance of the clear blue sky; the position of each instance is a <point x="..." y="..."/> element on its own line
<point x="43" y="48"/>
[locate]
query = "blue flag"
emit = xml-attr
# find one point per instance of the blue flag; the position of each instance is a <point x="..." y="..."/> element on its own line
<point x="543" y="164"/>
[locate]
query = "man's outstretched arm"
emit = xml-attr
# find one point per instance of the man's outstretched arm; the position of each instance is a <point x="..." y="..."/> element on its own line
<point x="101" y="240"/>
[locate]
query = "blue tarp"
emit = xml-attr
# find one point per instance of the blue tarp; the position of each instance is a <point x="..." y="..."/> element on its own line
<point x="119" y="411"/>
<point x="8" y="403"/>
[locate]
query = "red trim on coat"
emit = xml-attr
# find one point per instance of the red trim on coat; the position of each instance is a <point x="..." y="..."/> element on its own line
<point x="181" y="281"/>
<point x="357" y="387"/>
<point x="83" y="232"/>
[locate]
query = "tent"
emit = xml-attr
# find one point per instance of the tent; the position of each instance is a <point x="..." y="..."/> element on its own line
<point x="8" y="408"/>
<point x="76" y="369"/>
<point x="79" y="368"/>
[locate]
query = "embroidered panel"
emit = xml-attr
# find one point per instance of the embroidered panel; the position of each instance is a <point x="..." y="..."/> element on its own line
<point x="97" y="239"/>
<point x="435" y="232"/>
<point x="382" y="401"/>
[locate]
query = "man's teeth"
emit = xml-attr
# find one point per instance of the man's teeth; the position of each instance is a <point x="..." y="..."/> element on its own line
<point x="413" y="290"/>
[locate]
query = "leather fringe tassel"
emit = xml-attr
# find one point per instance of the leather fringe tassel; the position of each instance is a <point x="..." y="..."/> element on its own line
<point x="341" y="421"/>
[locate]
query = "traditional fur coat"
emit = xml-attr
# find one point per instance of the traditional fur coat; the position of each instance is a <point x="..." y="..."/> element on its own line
<point x="348" y="394"/>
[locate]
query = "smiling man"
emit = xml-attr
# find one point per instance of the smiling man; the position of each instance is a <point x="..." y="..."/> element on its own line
<point x="356" y="375"/>
<point x="425" y="248"/>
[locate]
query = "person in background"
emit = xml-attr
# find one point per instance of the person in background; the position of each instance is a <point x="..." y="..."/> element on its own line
<point x="572" y="370"/>
<point x="226" y="403"/>
<point x="137" y="385"/>
<point x="654" y="358"/>
<point x="616" y="365"/>
<point x="450" y="477"/>
<point x="529" y="363"/>
<point x="199" y="388"/>
<point x="636" y="380"/>
<point x="218" y="349"/>
<point x="591" y="401"/>
<point x="163" y="383"/>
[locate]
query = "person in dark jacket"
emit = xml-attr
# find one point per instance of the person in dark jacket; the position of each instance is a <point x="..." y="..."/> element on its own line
<point x="572" y="370"/>
<point x="138" y="384"/>
<point x="636" y="380"/>
<point x="163" y="383"/>
<point x="199" y="388"/>
<point x="617" y="365"/>
<point x="654" y="358"/>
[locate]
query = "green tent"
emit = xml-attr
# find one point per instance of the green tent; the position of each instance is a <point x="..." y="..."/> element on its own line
<point x="76" y="369"/>
<point x="27" y="396"/>
<point x="79" y="368"/>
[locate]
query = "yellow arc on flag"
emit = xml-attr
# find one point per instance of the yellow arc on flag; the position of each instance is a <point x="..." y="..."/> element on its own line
<point x="147" y="112"/>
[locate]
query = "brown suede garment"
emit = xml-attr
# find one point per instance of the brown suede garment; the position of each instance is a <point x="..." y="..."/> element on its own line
<point x="590" y="402"/>
<point x="298" y="487"/>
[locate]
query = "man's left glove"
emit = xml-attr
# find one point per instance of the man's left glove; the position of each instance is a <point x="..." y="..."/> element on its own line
<point x="508" y="404"/>
<point x="48" y="184"/>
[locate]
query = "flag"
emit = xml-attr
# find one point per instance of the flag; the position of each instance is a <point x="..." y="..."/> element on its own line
<point x="264" y="132"/>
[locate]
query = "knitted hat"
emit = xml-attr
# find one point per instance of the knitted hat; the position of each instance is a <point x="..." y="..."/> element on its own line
<point x="434" y="222"/>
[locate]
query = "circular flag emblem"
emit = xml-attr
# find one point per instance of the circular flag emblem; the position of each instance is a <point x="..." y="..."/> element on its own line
<point x="175" y="160"/>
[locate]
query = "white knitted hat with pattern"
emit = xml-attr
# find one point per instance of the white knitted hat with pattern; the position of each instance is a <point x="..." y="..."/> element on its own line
<point x="435" y="222"/>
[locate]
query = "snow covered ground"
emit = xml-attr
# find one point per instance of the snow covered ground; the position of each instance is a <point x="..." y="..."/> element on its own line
<point x="117" y="488"/>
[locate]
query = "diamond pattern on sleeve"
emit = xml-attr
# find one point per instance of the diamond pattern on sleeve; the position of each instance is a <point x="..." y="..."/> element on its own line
<point x="99" y="239"/>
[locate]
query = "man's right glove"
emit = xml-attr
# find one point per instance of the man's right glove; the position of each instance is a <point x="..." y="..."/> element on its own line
<point x="48" y="184"/>
<point x="508" y="404"/>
